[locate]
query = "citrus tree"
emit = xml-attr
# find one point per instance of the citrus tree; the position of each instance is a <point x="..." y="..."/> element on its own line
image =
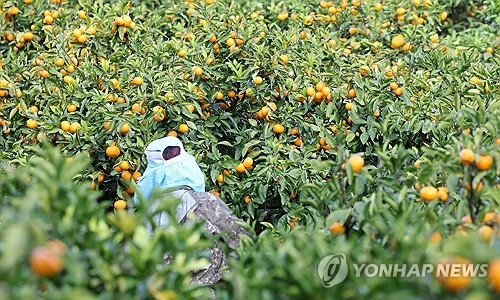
<point x="343" y="122"/>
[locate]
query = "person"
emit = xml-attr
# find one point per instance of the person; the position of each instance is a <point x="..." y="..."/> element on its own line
<point x="171" y="168"/>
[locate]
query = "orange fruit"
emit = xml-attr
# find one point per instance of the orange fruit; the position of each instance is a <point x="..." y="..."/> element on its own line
<point x="298" y="142"/>
<point x="428" y="193"/>
<point x="356" y="162"/>
<point x="59" y="62"/>
<point x="467" y="156"/>
<point x="45" y="261"/>
<point x="82" y="14"/>
<point x="451" y="282"/>
<point x="466" y="219"/>
<point x="220" y="178"/>
<point x="336" y="228"/>
<point x="100" y="178"/>
<point x="397" y="41"/>
<point x="484" y="162"/>
<point x="443" y="193"/>
<point x="126" y="175"/>
<point x="257" y="80"/>
<point x="190" y="107"/>
<point x="486" y="232"/>
<point x="113" y="151"/>
<point x="219" y="95"/>
<point x="278" y="128"/>
<point x="348" y="106"/>
<point x="489" y="216"/>
<point x="198" y="71"/>
<point x="65" y="126"/>
<point x="352" y="93"/>
<point x="107" y="125"/>
<point x="124" y="128"/>
<point x="183" y="128"/>
<point x="172" y="133"/>
<point x="240" y="168"/>
<point x="417" y="164"/>
<point x="71" y="108"/>
<point x="136" y="175"/>
<point x="74" y="127"/>
<point x="120" y="204"/>
<point x="68" y="79"/>
<point x="435" y="238"/>
<point x="248" y="162"/>
<point x="493" y="276"/>
<point x="137" y="81"/>
<point x="124" y="165"/>
<point x="32" y="123"/>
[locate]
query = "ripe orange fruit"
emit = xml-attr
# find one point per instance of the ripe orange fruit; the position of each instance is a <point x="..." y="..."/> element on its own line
<point x="428" y="193"/>
<point x="490" y="216"/>
<point x="82" y="14"/>
<point x="100" y="178"/>
<point x="348" y="106"/>
<point x="356" y="162"/>
<point x="397" y="41"/>
<point x="124" y="128"/>
<point x="32" y="123"/>
<point x="248" y="162"/>
<point x="240" y="168"/>
<point x="71" y="108"/>
<point x="336" y="228"/>
<point x="466" y="219"/>
<point x="45" y="261"/>
<point x="484" y="162"/>
<point x="257" y="80"/>
<point x="454" y="283"/>
<point x="443" y="193"/>
<point x="120" y="204"/>
<point x="136" y="175"/>
<point x="137" y="81"/>
<point x="493" y="276"/>
<point x="278" y="128"/>
<point x="126" y="175"/>
<point x="183" y="128"/>
<point x="435" y="238"/>
<point x="74" y="127"/>
<point x="352" y="93"/>
<point x="398" y="91"/>
<point x="220" y="178"/>
<point x="298" y="142"/>
<point x="486" y="232"/>
<point x="124" y="165"/>
<point x="65" y="126"/>
<point x="107" y="125"/>
<point x="68" y="79"/>
<point x="113" y="151"/>
<point x="172" y="133"/>
<point x="190" y="107"/>
<point x="417" y="164"/>
<point x="59" y="62"/>
<point x="467" y="156"/>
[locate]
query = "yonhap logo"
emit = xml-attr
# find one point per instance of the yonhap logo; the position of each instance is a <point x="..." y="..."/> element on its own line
<point x="332" y="269"/>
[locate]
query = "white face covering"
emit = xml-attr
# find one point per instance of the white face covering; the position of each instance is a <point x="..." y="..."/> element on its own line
<point x="154" y="151"/>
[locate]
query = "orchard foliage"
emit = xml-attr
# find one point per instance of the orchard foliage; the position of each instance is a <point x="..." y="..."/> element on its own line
<point x="338" y="122"/>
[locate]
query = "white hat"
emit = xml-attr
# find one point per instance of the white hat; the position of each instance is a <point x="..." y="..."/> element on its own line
<point x="154" y="151"/>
